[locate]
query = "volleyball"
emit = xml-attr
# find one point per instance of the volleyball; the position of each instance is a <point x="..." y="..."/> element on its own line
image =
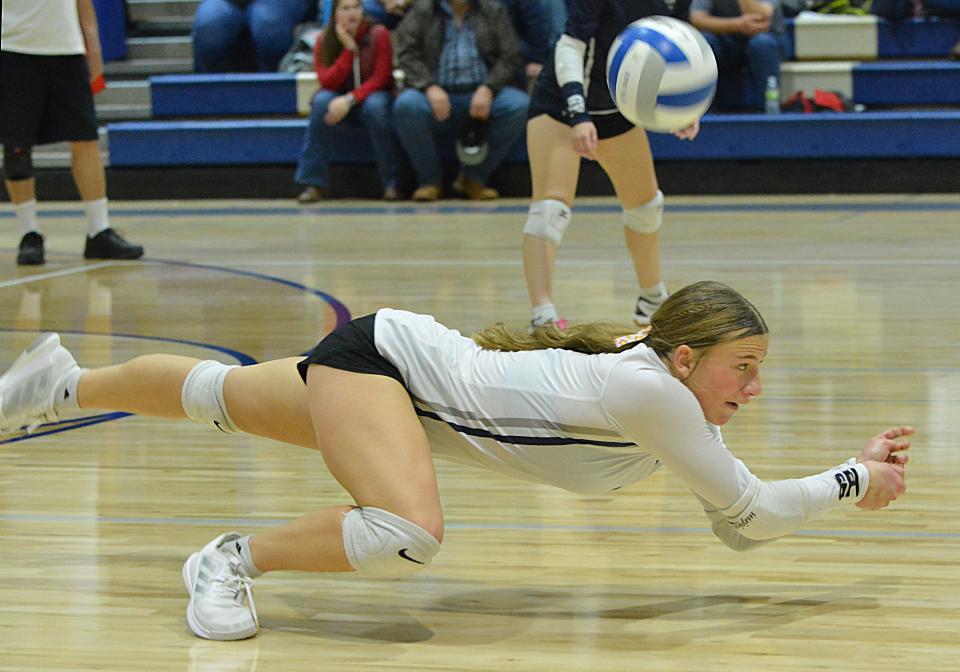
<point x="662" y="73"/>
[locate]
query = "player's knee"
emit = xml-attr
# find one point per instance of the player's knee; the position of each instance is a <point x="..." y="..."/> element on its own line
<point x="17" y="163"/>
<point x="202" y="396"/>
<point x="548" y="219"/>
<point x="645" y="218"/>
<point x="380" y="543"/>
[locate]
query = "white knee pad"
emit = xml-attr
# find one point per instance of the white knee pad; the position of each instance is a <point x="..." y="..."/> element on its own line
<point x="548" y="219"/>
<point x="380" y="543"/>
<point x="645" y="218"/>
<point x="202" y="396"/>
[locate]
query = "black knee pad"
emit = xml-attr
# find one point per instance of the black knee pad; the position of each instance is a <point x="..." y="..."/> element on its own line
<point x="17" y="163"/>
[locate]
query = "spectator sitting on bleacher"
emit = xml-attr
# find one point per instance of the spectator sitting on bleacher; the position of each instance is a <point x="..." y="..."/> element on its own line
<point x="742" y="33"/>
<point x="459" y="58"/>
<point x="353" y="60"/>
<point x="530" y="21"/>
<point x="246" y="35"/>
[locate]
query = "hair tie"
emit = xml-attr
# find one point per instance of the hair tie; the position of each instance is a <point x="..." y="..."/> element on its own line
<point x="621" y="341"/>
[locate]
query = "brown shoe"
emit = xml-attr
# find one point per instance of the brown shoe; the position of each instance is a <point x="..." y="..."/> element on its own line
<point x="392" y="194"/>
<point x="473" y="190"/>
<point x="428" y="192"/>
<point x="310" y="195"/>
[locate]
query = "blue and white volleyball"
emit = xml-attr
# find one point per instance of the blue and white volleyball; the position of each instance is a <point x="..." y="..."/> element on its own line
<point x="662" y="74"/>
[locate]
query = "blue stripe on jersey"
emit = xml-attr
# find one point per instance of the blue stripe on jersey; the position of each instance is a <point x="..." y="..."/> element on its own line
<point x="524" y="440"/>
<point x="685" y="99"/>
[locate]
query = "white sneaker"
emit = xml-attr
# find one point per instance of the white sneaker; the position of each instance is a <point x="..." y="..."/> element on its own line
<point x="217" y="585"/>
<point x="645" y="309"/>
<point x="29" y="387"/>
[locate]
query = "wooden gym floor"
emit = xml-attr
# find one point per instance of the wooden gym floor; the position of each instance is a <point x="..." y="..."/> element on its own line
<point x="862" y="295"/>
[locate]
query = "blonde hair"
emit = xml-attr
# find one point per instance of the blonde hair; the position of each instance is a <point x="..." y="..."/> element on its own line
<point x="699" y="316"/>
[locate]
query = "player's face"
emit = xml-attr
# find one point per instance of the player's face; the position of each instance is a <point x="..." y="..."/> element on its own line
<point x="726" y="376"/>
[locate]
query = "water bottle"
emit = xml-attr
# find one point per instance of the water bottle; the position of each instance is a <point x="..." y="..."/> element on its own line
<point x="771" y="96"/>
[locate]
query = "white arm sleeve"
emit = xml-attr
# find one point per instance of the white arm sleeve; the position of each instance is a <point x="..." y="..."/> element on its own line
<point x="660" y="414"/>
<point x="568" y="60"/>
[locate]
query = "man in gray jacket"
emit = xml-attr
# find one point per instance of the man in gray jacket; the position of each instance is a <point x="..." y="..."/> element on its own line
<point x="460" y="59"/>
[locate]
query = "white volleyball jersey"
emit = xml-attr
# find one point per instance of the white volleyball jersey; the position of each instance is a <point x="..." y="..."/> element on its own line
<point x="589" y="423"/>
<point x="43" y="27"/>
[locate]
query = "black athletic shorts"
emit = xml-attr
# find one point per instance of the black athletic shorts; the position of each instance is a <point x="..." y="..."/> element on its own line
<point x="546" y="99"/>
<point x="351" y="348"/>
<point x="45" y="99"/>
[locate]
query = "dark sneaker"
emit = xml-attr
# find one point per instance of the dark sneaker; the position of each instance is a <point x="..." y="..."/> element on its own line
<point x="31" y="250"/>
<point x="108" y="244"/>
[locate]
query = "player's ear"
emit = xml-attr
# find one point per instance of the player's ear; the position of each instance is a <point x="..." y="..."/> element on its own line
<point x="683" y="359"/>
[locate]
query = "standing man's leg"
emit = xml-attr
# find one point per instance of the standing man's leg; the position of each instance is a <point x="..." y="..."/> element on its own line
<point x="554" y="170"/>
<point x="627" y="160"/>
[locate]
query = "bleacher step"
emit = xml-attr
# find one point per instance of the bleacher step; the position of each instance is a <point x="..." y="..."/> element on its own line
<point x="722" y="137"/>
<point x="176" y="46"/>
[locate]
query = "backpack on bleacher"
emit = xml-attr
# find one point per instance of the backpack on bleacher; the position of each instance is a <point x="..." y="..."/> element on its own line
<point x="854" y="7"/>
<point x="299" y="58"/>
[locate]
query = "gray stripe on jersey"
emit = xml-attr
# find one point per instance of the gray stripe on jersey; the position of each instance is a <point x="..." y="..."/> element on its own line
<point x="510" y="423"/>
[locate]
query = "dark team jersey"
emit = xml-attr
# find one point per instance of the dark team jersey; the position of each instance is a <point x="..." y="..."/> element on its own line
<point x="597" y="23"/>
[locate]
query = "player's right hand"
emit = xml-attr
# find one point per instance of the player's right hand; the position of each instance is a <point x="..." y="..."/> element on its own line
<point x="585" y="139"/>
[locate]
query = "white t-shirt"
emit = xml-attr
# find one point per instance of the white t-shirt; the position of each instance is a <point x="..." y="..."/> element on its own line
<point x="591" y="424"/>
<point x="44" y="27"/>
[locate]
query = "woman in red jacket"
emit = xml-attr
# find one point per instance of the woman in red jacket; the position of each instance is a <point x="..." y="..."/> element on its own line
<point x="354" y="61"/>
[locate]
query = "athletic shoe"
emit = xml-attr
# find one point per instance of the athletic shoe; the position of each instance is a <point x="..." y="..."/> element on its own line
<point x="108" y="244"/>
<point x="645" y="309"/>
<point x="217" y="585"/>
<point x="559" y="323"/>
<point x="31" y="249"/>
<point x="28" y="389"/>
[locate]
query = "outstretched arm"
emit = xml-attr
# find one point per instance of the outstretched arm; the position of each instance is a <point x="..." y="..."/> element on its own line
<point x="669" y="423"/>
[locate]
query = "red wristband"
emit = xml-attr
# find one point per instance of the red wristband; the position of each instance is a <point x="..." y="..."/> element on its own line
<point x="98" y="84"/>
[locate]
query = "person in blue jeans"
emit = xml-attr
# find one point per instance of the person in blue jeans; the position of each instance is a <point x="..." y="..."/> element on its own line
<point x="743" y="34"/>
<point x="354" y="61"/>
<point x="459" y="58"/>
<point x="246" y="35"/>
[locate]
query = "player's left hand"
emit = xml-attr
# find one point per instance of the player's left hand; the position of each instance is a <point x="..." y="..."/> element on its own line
<point x="887" y="446"/>
<point x="690" y="132"/>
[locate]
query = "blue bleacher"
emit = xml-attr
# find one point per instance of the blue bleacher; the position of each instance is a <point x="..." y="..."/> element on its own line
<point x="170" y="140"/>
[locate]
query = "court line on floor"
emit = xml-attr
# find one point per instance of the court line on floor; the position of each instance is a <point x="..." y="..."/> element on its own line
<point x="79" y="519"/>
<point x="54" y="274"/>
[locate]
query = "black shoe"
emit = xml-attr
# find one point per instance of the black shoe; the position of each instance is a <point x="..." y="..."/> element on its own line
<point x="108" y="244"/>
<point x="31" y="250"/>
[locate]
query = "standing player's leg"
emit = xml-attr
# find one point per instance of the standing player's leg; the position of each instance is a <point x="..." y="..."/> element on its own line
<point x="22" y="100"/>
<point x="554" y="170"/>
<point x="627" y="160"/>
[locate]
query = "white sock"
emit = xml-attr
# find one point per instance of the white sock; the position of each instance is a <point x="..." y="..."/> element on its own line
<point x="66" y="395"/>
<point x="97" y="218"/>
<point x="27" y="216"/>
<point x="545" y="313"/>
<point x="655" y="294"/>
<point x="240" y="548"/>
